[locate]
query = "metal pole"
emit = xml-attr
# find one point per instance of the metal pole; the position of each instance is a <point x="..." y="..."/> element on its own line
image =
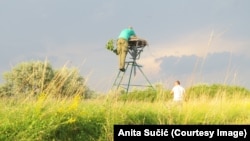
<point x="132" y="66"/>
<point x="144" y="75"/>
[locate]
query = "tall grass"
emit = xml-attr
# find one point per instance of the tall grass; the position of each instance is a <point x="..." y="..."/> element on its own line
<point x="73" y="118"/>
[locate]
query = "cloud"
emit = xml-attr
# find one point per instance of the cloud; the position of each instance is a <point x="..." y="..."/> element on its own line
<point x="200" y="44"/>
<point x="221" y="67"/>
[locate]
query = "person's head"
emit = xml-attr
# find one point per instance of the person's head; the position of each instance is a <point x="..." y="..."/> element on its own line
<point x="130" y="27"/>
<point x="177" y="82"/>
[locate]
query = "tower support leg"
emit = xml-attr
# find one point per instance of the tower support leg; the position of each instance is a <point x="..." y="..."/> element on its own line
<point x="120" y="76"/>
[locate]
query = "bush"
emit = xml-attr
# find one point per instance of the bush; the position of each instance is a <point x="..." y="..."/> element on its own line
<point x="36" y="77"/>
<point x="148" y="94"/>
<point x="27" y="77"/>
<point x="216" y="90"/>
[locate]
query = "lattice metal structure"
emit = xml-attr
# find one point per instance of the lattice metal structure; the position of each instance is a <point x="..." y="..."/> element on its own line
<point x="136" y="47"/>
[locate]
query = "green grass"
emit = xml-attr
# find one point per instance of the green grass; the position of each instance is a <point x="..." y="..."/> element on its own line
<point x="45" y="118"/>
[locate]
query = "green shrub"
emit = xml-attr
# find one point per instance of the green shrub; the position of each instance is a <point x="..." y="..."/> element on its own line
<point x="148" y="94"/>
<point x="36" y="77"/>
<point x="216" y="90"/>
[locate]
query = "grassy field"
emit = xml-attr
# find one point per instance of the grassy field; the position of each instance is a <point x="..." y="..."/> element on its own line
<point x="46" y="118"/>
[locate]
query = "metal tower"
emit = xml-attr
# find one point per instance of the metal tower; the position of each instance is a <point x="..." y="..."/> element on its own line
<point x="136" y="47"/>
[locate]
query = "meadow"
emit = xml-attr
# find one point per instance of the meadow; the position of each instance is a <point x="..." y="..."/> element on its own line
<point x="44" y="117"/>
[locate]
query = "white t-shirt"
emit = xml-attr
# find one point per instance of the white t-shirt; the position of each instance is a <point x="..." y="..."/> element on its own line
<point x="178" y="92"/>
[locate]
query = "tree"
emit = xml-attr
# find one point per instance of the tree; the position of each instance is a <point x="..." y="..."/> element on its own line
<point x="67" y="82"/>
<point x="37" y="77"/>
<point x="28" y="77"/>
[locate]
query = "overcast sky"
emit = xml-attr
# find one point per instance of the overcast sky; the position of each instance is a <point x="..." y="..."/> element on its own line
<point x="194" y="41"/>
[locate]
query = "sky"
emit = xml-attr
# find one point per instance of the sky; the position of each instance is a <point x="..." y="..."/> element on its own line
<point x="194" y="41"/>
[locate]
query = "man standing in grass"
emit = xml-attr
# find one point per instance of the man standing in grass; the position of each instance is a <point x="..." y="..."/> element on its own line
<point x="178" y="92"/>
<point x="122" y="45"/>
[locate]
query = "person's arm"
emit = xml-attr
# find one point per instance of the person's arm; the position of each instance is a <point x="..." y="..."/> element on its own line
<point x="133" y="33"/>
<point x="172" y="91"/>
